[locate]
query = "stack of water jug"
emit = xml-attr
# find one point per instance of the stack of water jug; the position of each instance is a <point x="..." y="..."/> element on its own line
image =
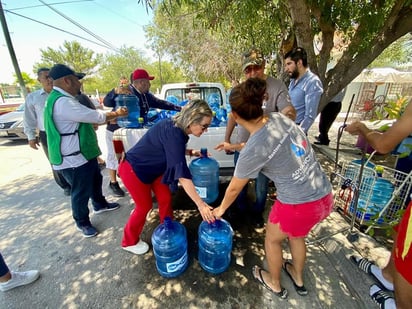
<point x="215" y="239"/>
<point x="134" y="119"/>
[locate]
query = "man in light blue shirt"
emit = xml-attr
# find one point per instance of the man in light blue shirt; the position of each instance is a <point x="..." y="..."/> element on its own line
<point x="305" y="88"/>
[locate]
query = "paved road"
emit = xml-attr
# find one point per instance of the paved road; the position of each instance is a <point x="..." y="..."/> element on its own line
<point x="37" y="231"/>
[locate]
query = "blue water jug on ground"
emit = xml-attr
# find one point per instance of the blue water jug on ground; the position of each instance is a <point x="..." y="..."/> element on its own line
<point x="169" y="242"/>
<point x="205" y="176"/>
<point x="215" y="245"/>
<point x="133" y="108"/>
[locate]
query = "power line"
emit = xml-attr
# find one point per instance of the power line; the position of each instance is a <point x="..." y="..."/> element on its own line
<point x="59" y="29"/>
<point x="55" y="3"/>
<point x="109" y="45"/>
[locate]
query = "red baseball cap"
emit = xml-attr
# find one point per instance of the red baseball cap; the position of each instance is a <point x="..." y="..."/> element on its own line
<point x="140" y="74"/>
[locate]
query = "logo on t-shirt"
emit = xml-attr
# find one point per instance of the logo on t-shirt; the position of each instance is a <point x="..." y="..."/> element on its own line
<point x="298" y="149"/>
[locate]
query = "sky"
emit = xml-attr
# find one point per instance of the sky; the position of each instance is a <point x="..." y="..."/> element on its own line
<point x="118" y="22"/>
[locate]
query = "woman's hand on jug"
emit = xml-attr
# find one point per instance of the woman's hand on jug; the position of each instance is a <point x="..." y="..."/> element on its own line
<point x="206" y="212"/>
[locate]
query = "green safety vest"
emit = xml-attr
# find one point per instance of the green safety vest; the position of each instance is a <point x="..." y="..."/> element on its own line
<point x="87" y="135"/>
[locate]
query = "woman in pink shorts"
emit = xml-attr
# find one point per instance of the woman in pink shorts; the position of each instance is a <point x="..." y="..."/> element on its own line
<point x="280" y="150"/>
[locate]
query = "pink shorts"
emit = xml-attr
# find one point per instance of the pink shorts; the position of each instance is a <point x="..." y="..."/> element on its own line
<point x="296" y="220"/>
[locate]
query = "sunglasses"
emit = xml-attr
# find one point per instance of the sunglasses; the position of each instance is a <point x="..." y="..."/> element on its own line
<point x="204" y="126"/>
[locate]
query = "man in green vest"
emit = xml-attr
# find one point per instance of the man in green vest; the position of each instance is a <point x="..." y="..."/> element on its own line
<point x="72" y="145"/>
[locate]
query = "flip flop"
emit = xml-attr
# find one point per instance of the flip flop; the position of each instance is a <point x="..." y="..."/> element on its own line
<point x="380" y="297"/>
<point x="301" y="290"/>
<point x="257" y="274"/>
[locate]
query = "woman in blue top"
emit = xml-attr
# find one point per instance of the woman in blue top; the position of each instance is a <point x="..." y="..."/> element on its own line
<point x="157" y="161"/>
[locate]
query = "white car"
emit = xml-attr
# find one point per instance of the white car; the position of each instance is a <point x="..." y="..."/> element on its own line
<point x="11" y="124"/>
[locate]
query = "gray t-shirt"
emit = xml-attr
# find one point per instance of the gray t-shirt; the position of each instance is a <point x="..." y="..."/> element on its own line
<point x="282" y="152"/>
<point x="278" y="99"/>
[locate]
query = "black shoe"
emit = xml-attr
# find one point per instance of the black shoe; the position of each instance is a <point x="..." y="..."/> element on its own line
<point x="67" y="191"/>
<point x="104" y="208"/>
<point x="117" y="191"/>
<point x="321" y="143"/>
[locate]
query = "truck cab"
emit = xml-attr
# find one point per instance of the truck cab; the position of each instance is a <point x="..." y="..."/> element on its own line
<point x="213" y="93"/>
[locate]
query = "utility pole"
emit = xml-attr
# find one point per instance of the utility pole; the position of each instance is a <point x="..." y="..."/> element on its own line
<point x="11" y="51"/>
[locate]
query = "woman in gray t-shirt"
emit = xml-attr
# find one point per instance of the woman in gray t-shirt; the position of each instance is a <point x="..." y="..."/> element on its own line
<point x="279" y="149"/>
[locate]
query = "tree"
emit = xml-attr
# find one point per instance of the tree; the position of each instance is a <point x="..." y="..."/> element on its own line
<point x="123" y="63"/>
<point x="28" y="80"/>
<point x="74" y="55"/>
<point x="341" y="37"/>
<point x="398" y="53"/>
<point x="203" y="55"/>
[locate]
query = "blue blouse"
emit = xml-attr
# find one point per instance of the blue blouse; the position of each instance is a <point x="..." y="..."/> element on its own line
<point x="161" y="151"/>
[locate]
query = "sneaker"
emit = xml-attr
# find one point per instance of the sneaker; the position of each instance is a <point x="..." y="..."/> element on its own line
<point x="117" y="191"/>
<point x="19" y="278"/>
<point x="106" y="207"/>
<point x="87" y="230"/>
<point x="140" y="248"/>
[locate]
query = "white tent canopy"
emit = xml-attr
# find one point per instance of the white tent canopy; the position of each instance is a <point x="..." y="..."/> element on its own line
<point x="383" y="75"/>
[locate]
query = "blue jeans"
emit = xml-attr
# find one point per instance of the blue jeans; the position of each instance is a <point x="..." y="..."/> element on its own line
<point x="261" y="191"/>
<point x="3" y="267"/>
<point x="86" y="182"/>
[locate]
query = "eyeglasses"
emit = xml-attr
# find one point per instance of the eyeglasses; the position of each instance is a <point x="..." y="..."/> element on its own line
<point x="251" y="68"/>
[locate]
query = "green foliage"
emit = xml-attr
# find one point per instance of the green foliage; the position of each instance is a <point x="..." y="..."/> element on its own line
<point x="79" y="58"/>
<point x="28" y="81"/>
<point x="398" y="53"/>
<point x="116" y="65"/>
<point x="351" y="32"/>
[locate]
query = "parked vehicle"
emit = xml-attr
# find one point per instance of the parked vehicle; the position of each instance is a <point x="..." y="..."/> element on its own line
<point x="180" y="93"/>
<point x="8" y="107"/>
<point x="11" y="124"/>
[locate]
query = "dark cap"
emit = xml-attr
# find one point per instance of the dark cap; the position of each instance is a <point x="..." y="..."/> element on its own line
<point x="43" y="69"/>
<point x="252" y="57"/>
<point x="61" y="70"/>
<point x="141" y="74"/>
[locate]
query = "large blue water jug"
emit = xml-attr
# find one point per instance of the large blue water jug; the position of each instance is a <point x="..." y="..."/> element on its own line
<point x="133" y="108"/>
<point x="215" y="245"/>
<point x="205" y="176"/>
<point x="169" y="242"/>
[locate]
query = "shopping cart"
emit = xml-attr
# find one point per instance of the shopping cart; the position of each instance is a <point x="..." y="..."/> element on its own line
<point x="383" y="193"/>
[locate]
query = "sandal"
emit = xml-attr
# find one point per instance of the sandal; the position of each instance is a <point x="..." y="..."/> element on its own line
<point x="366" y="266"/>
<point x="257" y="274"/>
<point x="300" y="289"/>
<point x="380" y="297"/>
<point x="363" y="264"/>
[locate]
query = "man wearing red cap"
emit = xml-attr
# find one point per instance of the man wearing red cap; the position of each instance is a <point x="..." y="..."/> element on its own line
<point x="140" y="86"/>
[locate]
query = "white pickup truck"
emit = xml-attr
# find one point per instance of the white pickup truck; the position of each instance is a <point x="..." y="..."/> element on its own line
<point x="213" y="93"/>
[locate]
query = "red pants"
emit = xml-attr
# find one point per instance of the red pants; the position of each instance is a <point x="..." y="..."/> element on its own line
<point x="141" y="194"/>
